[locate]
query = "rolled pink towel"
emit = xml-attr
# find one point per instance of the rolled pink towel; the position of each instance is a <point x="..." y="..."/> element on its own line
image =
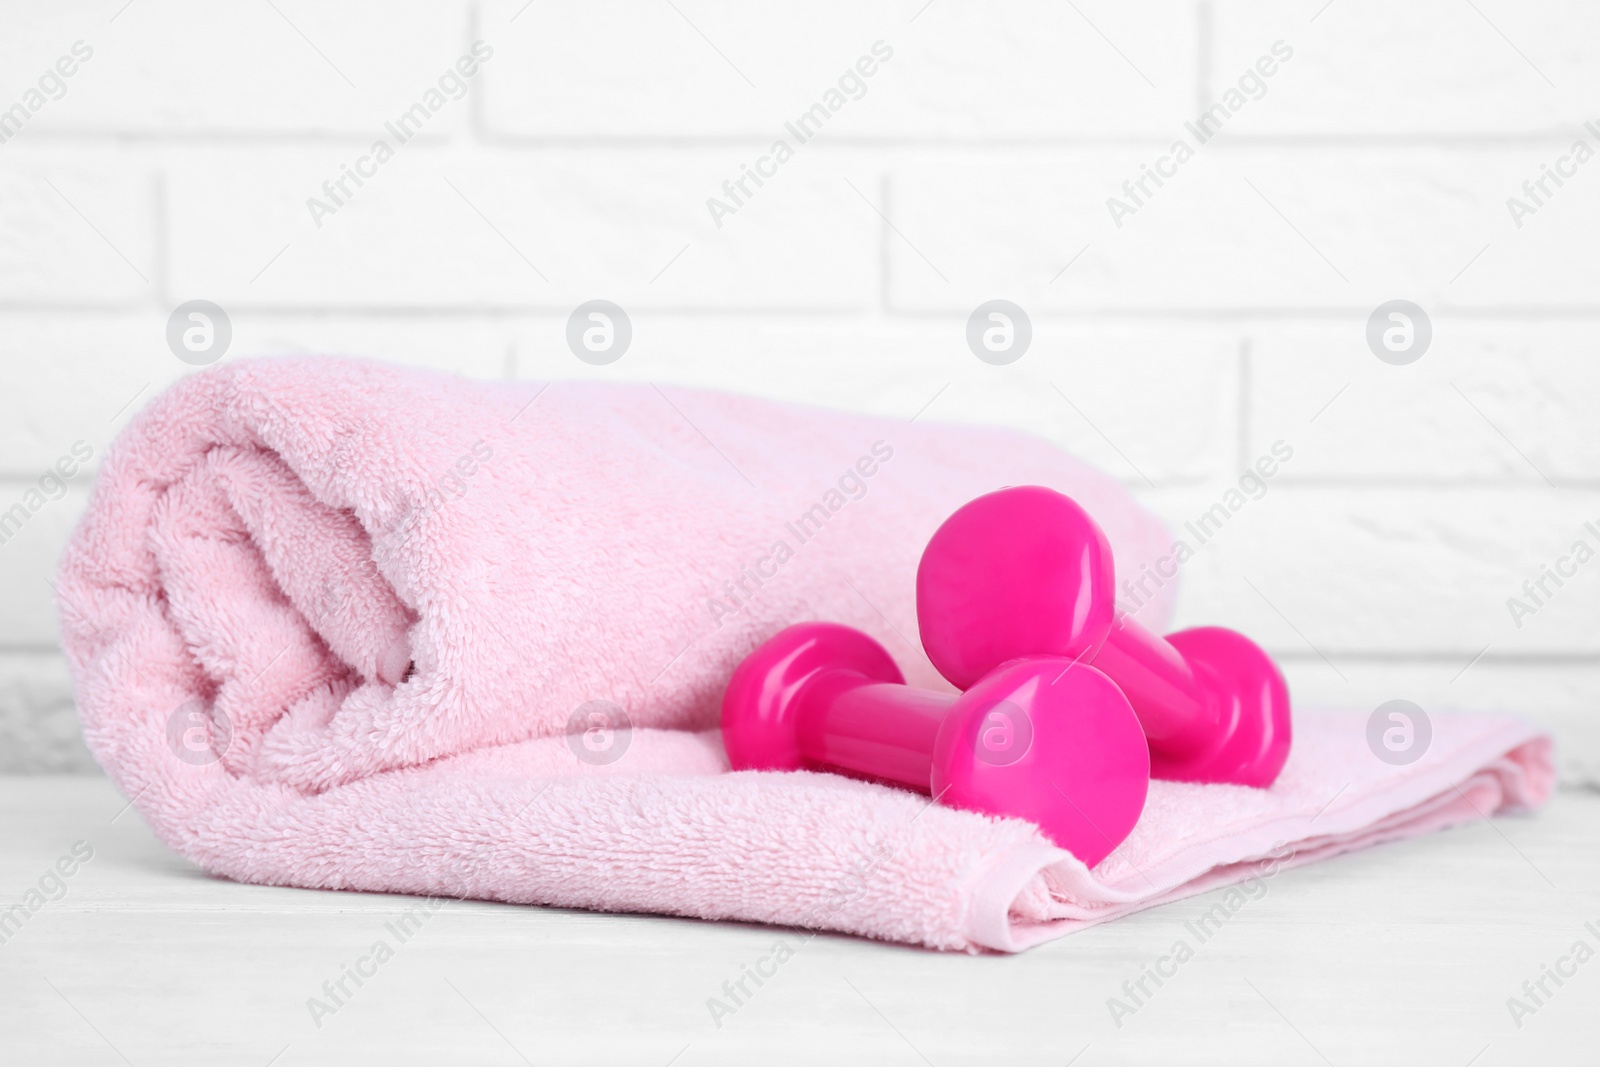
<point x="333" y="622"/>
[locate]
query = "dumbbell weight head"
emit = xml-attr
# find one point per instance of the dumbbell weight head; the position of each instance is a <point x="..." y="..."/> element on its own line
<point x="1252" y="742"/>
<point x="761" y="708"/>
<point x="1021" y="572"/>
<point x="1050" y="741"/>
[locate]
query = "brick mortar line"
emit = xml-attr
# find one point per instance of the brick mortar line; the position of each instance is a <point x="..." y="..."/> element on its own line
<point x="1461" y="141"/>
<point x="868" y="310"/>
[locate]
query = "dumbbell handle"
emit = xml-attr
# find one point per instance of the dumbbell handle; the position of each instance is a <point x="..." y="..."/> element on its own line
<point x="872" y="729"/>
<point x="1175" y="714"/>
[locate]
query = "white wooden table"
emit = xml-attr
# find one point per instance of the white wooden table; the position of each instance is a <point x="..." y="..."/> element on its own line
<point x="1403" y="954"/>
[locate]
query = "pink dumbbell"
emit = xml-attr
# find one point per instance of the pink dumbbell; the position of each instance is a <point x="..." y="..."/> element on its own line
<point x="1033" y="740"/>
<point x="1026" y="572"/>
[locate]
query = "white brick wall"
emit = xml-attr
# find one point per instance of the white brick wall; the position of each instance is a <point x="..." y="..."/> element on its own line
<point x="1226" y="313"/>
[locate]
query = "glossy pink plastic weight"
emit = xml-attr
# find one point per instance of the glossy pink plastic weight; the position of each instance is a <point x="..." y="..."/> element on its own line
<point x="1026" y="572"/>
<point x="1032" y="740"/>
